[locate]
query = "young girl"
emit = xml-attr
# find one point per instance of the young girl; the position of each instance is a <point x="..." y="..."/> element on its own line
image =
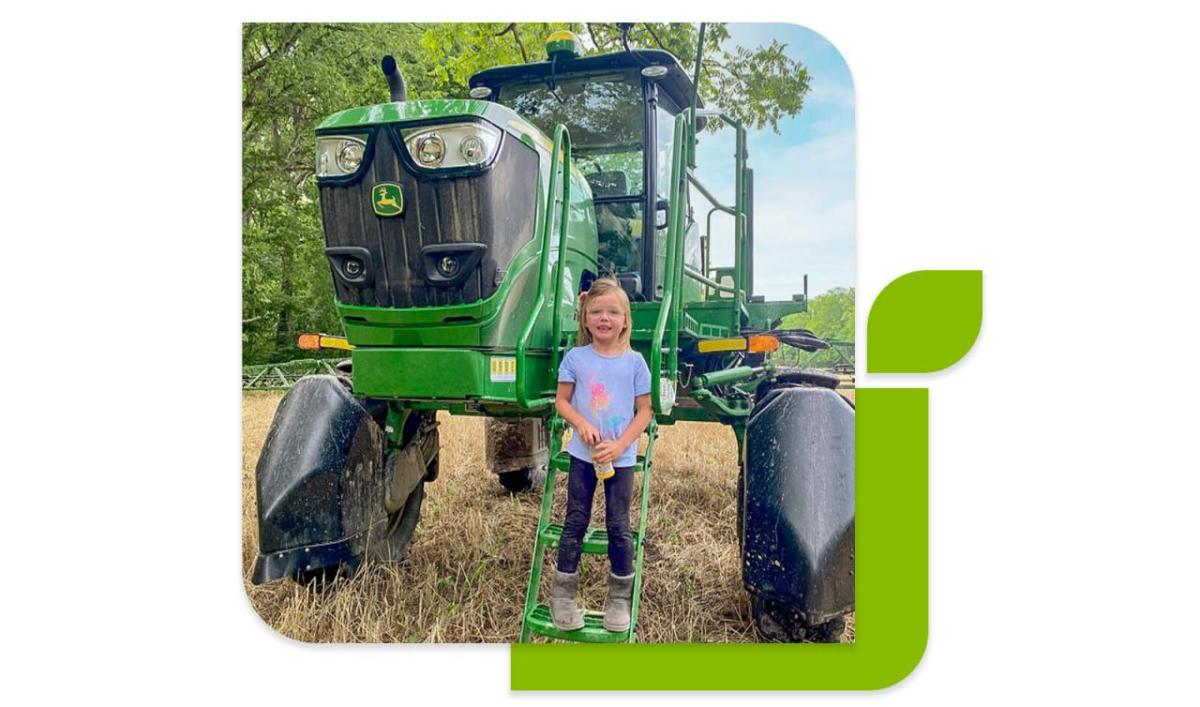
<point x="604" y="393"/>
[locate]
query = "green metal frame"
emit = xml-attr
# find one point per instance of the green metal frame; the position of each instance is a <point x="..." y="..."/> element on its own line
<point x="281" y="376"/>
<point x="670" y="307"/>
<point x="560" y="170"/>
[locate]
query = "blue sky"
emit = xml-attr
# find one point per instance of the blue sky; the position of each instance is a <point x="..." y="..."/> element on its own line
<point x="803" y="177"/>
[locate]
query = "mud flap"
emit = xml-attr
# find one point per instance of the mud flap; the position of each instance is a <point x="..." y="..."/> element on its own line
<point x="798" y="528"/>
<point x="320" y="481"/>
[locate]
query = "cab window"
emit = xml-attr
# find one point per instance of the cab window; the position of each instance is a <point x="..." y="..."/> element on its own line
<point x="604" y="115"/>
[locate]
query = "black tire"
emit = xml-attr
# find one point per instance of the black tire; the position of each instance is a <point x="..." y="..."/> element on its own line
<point x="777" y="622"/>
<point x="829" y="632"/>
<point x="393" y="543"/>
<point x="741" y="504"/>
<point x="522" y="480"/>
<point x="785" y="377"/>
<point x="785" y="618"/>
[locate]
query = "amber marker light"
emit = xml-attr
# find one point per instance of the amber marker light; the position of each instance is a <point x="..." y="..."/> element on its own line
<point x="762" y="343"/>
<point x="313" y="342"/>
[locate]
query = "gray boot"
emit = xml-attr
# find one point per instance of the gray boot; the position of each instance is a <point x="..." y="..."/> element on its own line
<point x="620" y="597"/>
<point x="562" y="601"/>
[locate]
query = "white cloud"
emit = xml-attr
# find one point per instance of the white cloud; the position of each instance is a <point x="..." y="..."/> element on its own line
<point x="835" y="95"/>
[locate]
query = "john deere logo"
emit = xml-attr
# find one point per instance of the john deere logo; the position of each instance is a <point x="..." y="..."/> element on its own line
<point x="388" y="199"/>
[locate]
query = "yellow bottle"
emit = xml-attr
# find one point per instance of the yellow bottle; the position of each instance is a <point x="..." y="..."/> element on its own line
<point x="604" y="470"/>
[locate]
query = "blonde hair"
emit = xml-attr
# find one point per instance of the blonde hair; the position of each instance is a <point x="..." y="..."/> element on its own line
<point x="601" y="287"/>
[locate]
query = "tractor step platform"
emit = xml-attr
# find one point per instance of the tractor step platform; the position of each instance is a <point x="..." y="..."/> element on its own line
<point x="595" y="540"/>
<point x="562" y="462"/>
<point x="593" y="631"/>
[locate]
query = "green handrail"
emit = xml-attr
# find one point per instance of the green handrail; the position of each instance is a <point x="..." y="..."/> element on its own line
<point x="635" y="606"/>
<point x="741" y="246"/>
<point x="706" y="281"/>
<point x="670" y="315"/>
<point x="560" y="171"/>
<point x="666" y="313"/>
<point x="673" y="264"/>
<point x="741" y="275"/>
<point x="560" y="265"/>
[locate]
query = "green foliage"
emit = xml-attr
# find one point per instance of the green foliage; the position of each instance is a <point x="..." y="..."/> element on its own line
<point x="829" y="316"/>
<point x="293" y="76"/>
<point x="755" y="86"/>
<point x="296" y="74"/>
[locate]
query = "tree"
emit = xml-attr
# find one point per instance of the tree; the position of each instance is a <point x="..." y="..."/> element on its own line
<point x="756" y="86"/>
<point x="293" y="76"/>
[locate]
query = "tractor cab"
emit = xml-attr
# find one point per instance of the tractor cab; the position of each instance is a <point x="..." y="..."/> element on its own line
<point x="620" y="110"/>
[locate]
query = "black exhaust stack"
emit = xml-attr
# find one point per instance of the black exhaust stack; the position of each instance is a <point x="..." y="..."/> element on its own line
<point x="395" y="80"/>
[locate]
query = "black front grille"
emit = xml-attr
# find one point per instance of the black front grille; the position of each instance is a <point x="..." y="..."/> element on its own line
<point x="495" y="208"/>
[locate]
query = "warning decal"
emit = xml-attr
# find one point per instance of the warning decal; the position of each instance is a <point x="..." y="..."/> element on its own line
<point x="504" y="369"/>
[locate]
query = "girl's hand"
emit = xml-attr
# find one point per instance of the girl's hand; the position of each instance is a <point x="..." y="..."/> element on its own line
<point x="588" y="433"/>
<point x="607" y="451"/>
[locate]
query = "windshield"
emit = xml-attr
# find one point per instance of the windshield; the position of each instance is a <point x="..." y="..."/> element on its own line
<point x="604" y="117"/>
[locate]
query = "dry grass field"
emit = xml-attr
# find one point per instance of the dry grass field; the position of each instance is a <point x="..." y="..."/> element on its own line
<point x="465" y="578"/>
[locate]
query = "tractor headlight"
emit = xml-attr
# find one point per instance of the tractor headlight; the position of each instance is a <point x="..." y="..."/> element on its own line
<point x="452" y="145"/>
<point x="473" y="150"/>
<point x="349" y="158"/>
<point x="339" y="155"/>
<point x="431" y="150"/>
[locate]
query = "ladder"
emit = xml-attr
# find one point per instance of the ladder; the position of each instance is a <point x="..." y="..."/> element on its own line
<point x="536" y="616"/>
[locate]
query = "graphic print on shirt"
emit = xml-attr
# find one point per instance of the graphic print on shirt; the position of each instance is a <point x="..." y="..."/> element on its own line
<point x="611" y="423"/>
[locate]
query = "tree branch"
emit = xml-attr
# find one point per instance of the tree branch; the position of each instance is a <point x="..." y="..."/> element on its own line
<point x="288" y="41"/>
<point x="520" y="44"/>
<point x="601" y="44"/>
<point x="595" y="42"/>
<point x="655" y="36"/>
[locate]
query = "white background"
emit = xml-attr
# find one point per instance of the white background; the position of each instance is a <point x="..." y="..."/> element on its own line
<point x="1056" y="148"/>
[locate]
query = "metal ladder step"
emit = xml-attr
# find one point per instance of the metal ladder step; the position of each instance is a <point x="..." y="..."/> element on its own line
<point x="593" y="630"/>
<point x="595" y="540"/>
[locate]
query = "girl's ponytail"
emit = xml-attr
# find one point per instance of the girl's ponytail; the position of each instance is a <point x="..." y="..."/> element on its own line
<point x="584" y="337"/>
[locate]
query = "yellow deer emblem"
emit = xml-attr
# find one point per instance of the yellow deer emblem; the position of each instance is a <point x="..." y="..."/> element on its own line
<point x="388" y="199"/>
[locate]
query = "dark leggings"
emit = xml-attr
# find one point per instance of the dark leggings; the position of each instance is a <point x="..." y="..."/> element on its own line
<point x="618" y="492"/>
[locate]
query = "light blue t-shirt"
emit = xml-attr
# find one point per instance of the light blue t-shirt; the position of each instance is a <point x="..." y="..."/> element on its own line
<point x="605" y="388"/>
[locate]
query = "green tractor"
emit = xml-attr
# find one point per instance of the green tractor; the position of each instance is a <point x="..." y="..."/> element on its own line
<point x="460" y="234"/>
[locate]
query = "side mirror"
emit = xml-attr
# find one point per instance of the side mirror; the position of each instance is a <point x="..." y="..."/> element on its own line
<point x="661" y="212"/>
